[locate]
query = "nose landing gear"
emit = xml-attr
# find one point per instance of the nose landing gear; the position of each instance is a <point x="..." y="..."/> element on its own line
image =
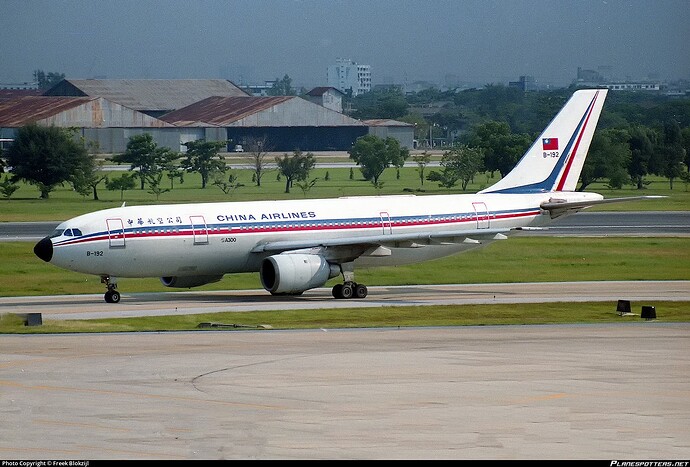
<point x="112" y="295"/>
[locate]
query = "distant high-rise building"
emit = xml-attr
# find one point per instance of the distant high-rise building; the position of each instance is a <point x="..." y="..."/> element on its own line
<point x="349" y="77"/>
<point x="526" y="83"/>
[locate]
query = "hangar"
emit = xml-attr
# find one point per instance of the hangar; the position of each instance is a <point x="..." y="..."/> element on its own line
<point x="109" y="112"/>
<point x="107" y="124"/>
<point x="286" y="123"/>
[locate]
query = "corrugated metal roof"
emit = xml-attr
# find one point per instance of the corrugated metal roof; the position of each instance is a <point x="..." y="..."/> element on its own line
<point x="85" y="112"/>
<point x="152" y="94"/>
<point x="220" y="111"/>
<point x="24" y="110"/>
<point x="279" y="111"/>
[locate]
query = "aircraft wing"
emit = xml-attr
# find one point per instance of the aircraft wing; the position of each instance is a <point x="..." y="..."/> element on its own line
<point x="404" y="240"/>
<point x="559" y="207"/>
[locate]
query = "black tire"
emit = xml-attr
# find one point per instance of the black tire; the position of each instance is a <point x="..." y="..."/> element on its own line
<point x="361" y="291"/>
<point x="337" y="291"/>
<point x="347" y="291"/>
<point x="112" y="296"/>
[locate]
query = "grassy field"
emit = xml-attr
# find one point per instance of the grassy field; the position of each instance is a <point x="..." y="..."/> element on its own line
<point x="418" y="316"/>
<point x="64" y="203"/>
<point x="518" y="259"/>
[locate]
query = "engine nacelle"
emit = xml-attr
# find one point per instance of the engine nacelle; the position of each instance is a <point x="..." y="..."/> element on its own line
<point x="295" y="273"/>
<point x="186" y="282"/>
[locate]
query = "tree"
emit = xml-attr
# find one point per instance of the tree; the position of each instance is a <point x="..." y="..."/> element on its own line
<point x="47" y="81"/>
<point x="227" y="187"/>
<point x="154" y="180"/>
<point x="608" y="157"/>
<point x="306" y="185"/>
<point x="641" y="152"/>
<point x="295" y="167"/>
<point x="282" y="87"/>
<point x="258" y="150"/>
<point x="389" y="103"/>
<point x="87" y="179"/>
<point x="7" y="187"/>
<point x="671" y="151"/>
<point x="422" y="161"/>
<point x="374" y="155"/>
<point x="144" y="154"/>
<point x="47" y="157"/>
<point x="685" y="133"/>
<point x="460" y="163"/>
<point x="203" y="157"/>
<point x="122" y="183"/>
<point x="502" y="149"/>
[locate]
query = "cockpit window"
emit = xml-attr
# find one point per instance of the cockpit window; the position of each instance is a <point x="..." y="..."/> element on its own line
<point x="66" y="233"/>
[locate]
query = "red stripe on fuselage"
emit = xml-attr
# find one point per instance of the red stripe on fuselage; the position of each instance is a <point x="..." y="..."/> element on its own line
<point x="161" y="233"/>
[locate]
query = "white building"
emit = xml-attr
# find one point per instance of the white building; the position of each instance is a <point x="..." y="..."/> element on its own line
<point x="348" y="76"/>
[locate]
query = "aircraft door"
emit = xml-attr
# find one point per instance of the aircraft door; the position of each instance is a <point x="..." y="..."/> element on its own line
<point x="482" y="214"/>
<point x="116" y="233"/>
<point x="386" y="223"/>
<point x="199" y="229"/>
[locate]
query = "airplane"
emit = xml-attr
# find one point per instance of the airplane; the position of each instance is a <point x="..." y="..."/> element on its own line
<point x="298" y="245"/>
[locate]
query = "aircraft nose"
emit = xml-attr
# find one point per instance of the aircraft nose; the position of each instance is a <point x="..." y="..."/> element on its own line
<point x="44" y="249"/>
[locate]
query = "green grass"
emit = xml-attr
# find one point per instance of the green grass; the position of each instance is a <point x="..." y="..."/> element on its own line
<point x="64" y="203"/>
<point x="414" y="316"/>
<point x="518" y="259"/>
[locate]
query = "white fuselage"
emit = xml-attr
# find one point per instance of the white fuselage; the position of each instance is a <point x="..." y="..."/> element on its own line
<point x="218" y="238"/>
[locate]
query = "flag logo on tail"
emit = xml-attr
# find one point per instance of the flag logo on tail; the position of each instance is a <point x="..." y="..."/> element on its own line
<point x="549" y="144"/>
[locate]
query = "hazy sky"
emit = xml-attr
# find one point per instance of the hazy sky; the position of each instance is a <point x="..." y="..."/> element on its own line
<point x="250" y="41"/>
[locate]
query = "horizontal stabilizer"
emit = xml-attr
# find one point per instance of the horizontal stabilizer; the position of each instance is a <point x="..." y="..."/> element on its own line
<point x="561" y="206"/>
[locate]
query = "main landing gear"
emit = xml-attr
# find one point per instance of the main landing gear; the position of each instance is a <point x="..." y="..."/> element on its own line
<point x="349" y="288"/>
<point x="112" y="295"/>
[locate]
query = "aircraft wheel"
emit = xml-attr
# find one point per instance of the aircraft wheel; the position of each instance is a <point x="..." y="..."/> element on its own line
<point x="347" y="290"/>
<point x="361" y="291"/>
<point x="112" y="296"/>
<point x="337" y="291"/>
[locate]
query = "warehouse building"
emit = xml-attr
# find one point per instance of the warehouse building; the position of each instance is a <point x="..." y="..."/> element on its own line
<point x="109" y="112"/>
<point x="286" y="123"/>
<point x="108" y="125"/>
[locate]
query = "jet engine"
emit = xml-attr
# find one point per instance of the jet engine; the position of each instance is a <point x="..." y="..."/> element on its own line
<point x="294" y="273"/>
<point x="186" y="282"/>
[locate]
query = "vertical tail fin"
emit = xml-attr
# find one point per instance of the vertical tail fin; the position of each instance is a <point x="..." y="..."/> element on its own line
<point x="555" y="159"/>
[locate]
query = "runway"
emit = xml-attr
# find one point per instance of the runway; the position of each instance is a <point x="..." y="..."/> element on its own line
<point x="618" y="391"/>
<point x="93" y="306"/>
